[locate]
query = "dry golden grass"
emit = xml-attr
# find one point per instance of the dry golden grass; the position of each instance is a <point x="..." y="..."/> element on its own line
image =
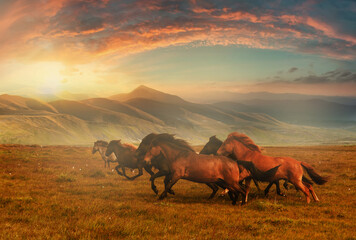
<point x="66" y="193"/>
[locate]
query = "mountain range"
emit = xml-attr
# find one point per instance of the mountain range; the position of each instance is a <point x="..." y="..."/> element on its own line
<point x="133" y="115"/>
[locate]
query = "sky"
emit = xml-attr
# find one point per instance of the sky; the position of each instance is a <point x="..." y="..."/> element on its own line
<point x="105" y="47"/>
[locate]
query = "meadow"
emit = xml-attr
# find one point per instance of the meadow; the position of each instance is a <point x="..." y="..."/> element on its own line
<point x="64" y="192"/>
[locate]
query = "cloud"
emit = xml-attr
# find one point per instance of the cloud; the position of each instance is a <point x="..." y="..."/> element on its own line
<point x="77" y="31"/>
<point x="293" y="69"/>
<point x="333" y="83"/>
<point x="336" y="76"/>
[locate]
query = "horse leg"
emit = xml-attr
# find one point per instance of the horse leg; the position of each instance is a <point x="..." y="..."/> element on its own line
<point x="167" y="179"/>
<point x="214" y="187"/>
<point x="108" y="164"/>
<point x="247" y="183"/>
<point x="235" y="187"/>
<point x="285" y="184"/>
<point x="124" y="174"/>
<point x="140" y="173"/>
<point x="117" y="170"/>
<point x="223" y="193"/>
<point x="173" y="181"/>
<point x="152" y="179"/>
<point x="316" y="199"/>
<point x="149" y="170"/>
<point x="225" y="186"/>
<point x="256" y="184"/>
<point x="267" y="188"/>
<point x="232" y="196"/>
<point x="299" y="185"/>
<point x="279" y="189"/>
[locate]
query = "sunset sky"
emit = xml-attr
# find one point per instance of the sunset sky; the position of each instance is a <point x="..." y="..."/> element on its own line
<point x="105" y="47"/>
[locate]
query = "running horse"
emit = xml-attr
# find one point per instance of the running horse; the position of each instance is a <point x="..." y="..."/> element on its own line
<point x="161" y="163"/>
<point x="100" y="146"/>
<point x="185" y="163"/>
<point x="125" y="154"/>
<point x="212" y="147"/>
<point x="241" y="147"/>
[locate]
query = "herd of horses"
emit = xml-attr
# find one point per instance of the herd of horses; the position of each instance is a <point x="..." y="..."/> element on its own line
<point x="230" y="165"/>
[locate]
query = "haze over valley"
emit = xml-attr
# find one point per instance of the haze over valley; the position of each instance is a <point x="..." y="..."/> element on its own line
<point x="270" y="119"/>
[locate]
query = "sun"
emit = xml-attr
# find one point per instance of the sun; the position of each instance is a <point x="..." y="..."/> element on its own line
<point x="50" y="77"/>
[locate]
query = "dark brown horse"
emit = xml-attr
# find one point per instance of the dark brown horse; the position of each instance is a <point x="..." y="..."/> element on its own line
<point x="125" y="154"/>
<point x="241" y="147"/>
<point x="184" y="163"/>
<point x="159" y="162"/>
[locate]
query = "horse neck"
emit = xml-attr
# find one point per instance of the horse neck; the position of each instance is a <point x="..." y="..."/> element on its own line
<point x="170" y="153"/>
<point x="242" y="152"/>
<point x="125" y="155"/>
<point x="102" y="151"/>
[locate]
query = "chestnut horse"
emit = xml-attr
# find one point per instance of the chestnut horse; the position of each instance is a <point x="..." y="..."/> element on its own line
<point x="184" y="163"/>
<point x="160" y="163"/>
<point x="241" y="147"/>
<point x="212" y="147"/>
<point x="125" y="154"/>
<point x="100" y="146"/>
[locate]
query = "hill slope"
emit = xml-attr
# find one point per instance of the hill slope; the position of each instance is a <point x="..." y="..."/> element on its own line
<point x="145" y="110"/>
<point x="314" y="112"/>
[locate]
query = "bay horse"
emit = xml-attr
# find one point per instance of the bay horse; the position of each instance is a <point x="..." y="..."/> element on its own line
<point x="240" y="146"/>
<point x="100" y="146"/>
<point x="212" y="147"/>
<point x="160" y="163"/>
<point x="185" y="163"/>
<point x="125" y="154"/>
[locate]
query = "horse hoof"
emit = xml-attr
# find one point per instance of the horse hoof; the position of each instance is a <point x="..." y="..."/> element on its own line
<point x="161" y="197"/>
<point x="171" y="192"/>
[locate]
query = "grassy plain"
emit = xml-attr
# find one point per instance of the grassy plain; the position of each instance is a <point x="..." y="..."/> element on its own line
<point x="64" y="192"/>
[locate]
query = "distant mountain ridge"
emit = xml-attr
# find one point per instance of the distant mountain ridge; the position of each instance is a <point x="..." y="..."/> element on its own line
<point x="133" y="115"/>
<point x="149" y="93"/>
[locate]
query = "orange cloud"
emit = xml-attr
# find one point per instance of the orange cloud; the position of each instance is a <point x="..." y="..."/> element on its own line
<point x="77" y="31"/>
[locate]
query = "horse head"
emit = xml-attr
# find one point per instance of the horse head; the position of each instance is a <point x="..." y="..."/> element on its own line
<point x="95" y="148"/>
<point x="112" y="147"/>
<point x="143" y="147"/>
<point x="212" y="146"/>
<point x="226" y="148"/>
<point x="152" y="152"/>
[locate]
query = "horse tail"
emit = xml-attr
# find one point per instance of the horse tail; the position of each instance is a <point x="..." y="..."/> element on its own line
<point x="258" y="174"/>
<point x="314" y="175"/>
<point x="307" y="180"/>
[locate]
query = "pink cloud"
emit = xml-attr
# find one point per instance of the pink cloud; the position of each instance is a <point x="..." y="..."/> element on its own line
<point x="92" y="28"/>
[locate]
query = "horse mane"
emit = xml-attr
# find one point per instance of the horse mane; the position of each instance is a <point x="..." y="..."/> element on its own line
<point x="101" y="143"/>
<point x="148" y="139"/>
<point x="130" y="146"/>
<point x="170" y="139"/>
<point x="245" y="140"/>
